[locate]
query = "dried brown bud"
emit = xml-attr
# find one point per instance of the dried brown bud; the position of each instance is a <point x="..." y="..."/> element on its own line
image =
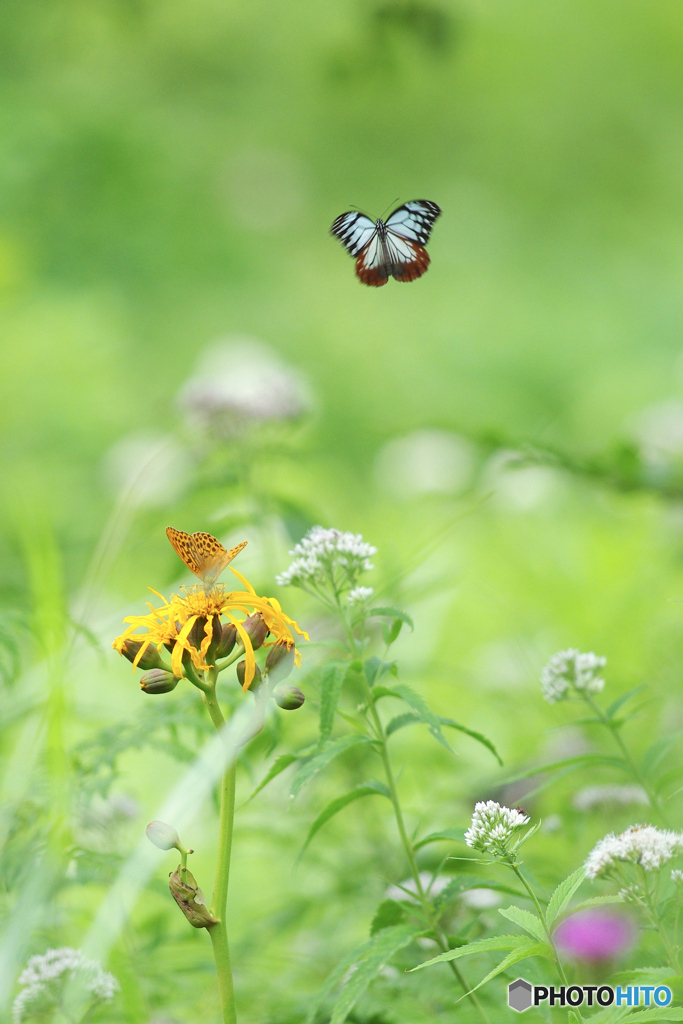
<point x="158" y="680"/>
<point x="227" y="640"/>
<point x="289" y="698"/>
<point x="190" y="898"/>
<point x="280" y="661"/>
<point x="241" y="672"/>
<point x="150" y="659"/>
<point x="256" y="629"/>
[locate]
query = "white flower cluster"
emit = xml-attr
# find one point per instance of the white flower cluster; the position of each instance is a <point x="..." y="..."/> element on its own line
<point x="328" y="556"/>
<point x="492" y="827"/>
<point x="360" y="594"/>
<point x="38" y="977"/>
<point x="640" y="844"/>
<point x="592" y="797"/>
<point x="568" y="669"/>
<point x="677" y="876"/>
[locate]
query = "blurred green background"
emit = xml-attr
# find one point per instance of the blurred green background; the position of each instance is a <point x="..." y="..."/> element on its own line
<point x="168" y="175"/>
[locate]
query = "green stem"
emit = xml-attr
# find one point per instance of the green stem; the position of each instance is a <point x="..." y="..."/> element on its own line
<point x="655" y="802"/>
<point x="657" y="924"/>
<point x="219" y="899"/>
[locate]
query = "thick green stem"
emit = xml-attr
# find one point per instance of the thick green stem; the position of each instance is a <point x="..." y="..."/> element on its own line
<point x="219" y="899"/>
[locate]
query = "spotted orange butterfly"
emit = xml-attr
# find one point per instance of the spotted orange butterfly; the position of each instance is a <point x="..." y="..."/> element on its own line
<point x="202" y="554"/>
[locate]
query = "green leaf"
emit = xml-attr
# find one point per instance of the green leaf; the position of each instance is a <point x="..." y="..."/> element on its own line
<point x="409" y="718"/>
<point x="615" y="706"/>
<point x="615" y="1014"/>
<point x="478" y="736"/>
<point x="278" y="766"/>
<point x="366" y="961"/>
<point x="393" y="613"/>
<point x="523" y="953"/>
<point x="497" y="942"/>
<point x="594" y="901"/>
<point x="388" y="914"/>
<point x="462" y="883"/>
<point x="454" y="834"/>
<point x="657" y="752"/>
<point x="374" y="668"/>
<point x="529" y="922"/>
<point x="391" y="633"/>
<point x="419" y="705"/>
<point x="333" y="675"/>
<point x="580" y="761"/>
<point x="316" y="762"/>
<point x="559" y="901"/>
<point x="368" y="789"/>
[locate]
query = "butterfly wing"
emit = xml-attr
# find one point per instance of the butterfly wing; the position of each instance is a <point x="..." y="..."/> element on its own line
<point x="202" y="554"/>
<point x="414" y="220"/>
<point x="373" y="265"/>
<point x="354" y="230"/>
<point x="407" y="260"/>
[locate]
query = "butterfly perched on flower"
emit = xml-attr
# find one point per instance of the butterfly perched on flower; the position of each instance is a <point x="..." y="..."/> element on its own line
<point x="202" y="554"/>
<point x="395" y="249"/>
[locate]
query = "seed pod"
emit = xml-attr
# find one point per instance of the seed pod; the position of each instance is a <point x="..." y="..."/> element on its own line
<point x="158" y="680"/>
<point x="190" y="898"/>
<point x="163" y="836"/>
<point x="150" y="659"/>
<point x="227" y="640"/>
<point x="256" y="629"/>
<point x="241" y="672"/>
<point x="289" y="698"/>
<point x="280" y="661"/>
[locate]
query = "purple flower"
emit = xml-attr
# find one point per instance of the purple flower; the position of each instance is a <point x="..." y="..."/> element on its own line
<point x="595" y="935"/>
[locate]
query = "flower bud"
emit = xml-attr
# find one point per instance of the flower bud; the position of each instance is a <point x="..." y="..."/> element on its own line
<point x="256" y="681"/>
<point x="190" y="898"/>
<point x="256" y="629"/>
<point x="150" y="659"/>
<point x="158" y="680"/>
<point x="162" y="835"/>
<point x="197" y="634"/>
<point x="289" y="698"/>
<point x="280" y="661"/>
<point x="227" y="640"/>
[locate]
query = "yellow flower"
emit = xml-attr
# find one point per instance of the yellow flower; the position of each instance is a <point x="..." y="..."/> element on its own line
<point x="171" y="624"/>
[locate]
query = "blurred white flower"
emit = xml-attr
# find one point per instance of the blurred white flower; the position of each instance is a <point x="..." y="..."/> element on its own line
<point x="153" y="467"/>
<point x="640" y="844"/>
<point x="618" y="795"/>
<point x="41" y="978"/>
<point x="571" y="669"/>
<point x="677" y="876"/>
<point x="424" y="462"/>
<point x="553" y="823"/>
<point x="240" y="382"/>
<point x="517" y="487"/>
<point x="481" y="899"/>
<point x="360" y="594"/>
<point x="397" y="892"/>
<point x="659" y="432"/>
<point x="493" y="826"/>
<point x="328" y="557"/>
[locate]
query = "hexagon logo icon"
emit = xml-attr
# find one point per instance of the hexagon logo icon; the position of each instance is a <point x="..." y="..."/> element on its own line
<point x="520" y="995"/>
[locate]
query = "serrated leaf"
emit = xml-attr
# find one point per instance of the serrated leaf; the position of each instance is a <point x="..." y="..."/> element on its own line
<point x="420" y="706"/>
<point x="526" y="920"/>
<point x="333" y="675"/>
<point x="368" y="789"/>
<point x="374" y="668"/>
<point x="399" y="721"/>
<point x="278" y="766"/>
<point x="559" y="900"/>
<point x="615" y="1014"/>
<point x="393" y="613"/>
<point x="316" y="762"/>
<point x="473" y="734"/>
<point x="543" y="949"/>
<point x="455" y="834"/>
<point x="388" y="914"/>
<point x="357" y="970"/>
<point x="496" y="943"/>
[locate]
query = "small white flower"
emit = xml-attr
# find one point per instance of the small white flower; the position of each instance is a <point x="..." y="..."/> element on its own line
<point x="640" y="844"/>
<point x="677" y="876"/>
<point x="328" y="557"/>
<point x="360" y="594"/>
<point x="592" y="797"/>
<point x="42" y="973"/>
<point x="571" y="669"/>
<point x="163" y="836"/>
<point x="493" y="826"/>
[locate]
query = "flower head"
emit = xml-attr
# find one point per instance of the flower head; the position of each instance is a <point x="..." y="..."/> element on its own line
<point x="569" y="670"/>
<point x="45" y="974"/>
<point x="645" y="845"/>
<point x="328" y="559"/>
<point x="189" y="625"/>
<point x="360" y="594"/>
<point x="493" y="827"/>
<point x="595" y="934"/>
<point x="599" y="797"/>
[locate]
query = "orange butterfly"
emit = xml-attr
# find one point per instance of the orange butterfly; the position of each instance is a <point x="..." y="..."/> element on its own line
<point x="202" y="554"/>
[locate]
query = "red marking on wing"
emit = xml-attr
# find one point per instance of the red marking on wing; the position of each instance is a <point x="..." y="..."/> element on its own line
<point x="374" y="276"/>
<point x="414" y="268"/>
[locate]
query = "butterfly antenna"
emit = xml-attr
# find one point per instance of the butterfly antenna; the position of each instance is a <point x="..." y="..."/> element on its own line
<point x="396" y="200"/>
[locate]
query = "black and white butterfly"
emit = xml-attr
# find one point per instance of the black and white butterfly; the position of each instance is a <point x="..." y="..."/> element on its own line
<point x="393" y="249"/>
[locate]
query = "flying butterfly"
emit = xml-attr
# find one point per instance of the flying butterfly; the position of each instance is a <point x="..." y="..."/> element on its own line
<point x="395" y="249"/>
<point x="202" y="554"/>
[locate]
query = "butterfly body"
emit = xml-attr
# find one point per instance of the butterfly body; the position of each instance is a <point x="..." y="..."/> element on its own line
<point x="392" y="249"/>
<point x="202" y="554"/>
